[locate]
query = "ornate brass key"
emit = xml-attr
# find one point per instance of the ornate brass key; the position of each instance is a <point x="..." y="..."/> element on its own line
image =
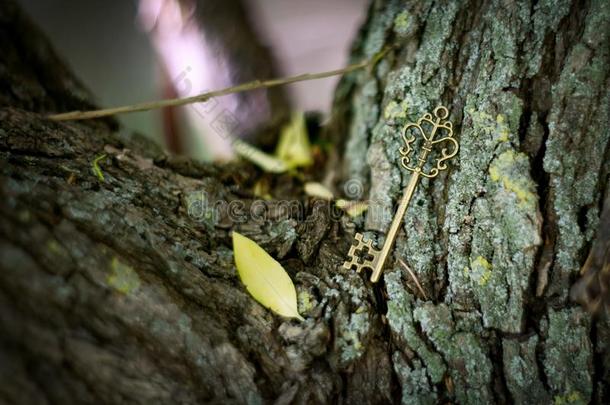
<point x="363" y="254"/>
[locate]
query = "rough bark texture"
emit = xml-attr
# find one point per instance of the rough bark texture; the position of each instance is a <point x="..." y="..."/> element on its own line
<point x="497" y="242"/>
<point x="124" y="291"/>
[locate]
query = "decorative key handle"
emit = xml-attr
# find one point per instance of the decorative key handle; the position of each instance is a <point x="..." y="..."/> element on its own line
<point x="363" y="254"/>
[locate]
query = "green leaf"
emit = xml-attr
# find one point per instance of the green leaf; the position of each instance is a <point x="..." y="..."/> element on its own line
<point x="264" y="278"/>
<point x="95" y="167"/>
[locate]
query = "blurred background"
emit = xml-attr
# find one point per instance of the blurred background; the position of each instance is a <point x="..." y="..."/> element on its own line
<point x="140" y="50"/>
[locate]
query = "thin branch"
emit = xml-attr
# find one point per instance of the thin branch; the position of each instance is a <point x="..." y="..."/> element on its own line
<point x="254" y="85"/>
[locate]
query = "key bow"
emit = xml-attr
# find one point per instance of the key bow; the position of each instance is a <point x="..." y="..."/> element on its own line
<point x="429" y="142"/>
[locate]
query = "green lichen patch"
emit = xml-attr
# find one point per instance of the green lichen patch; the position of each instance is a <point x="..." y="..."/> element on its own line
<point x="400" y="319"/>
<point x="496" y="129"/>
<point x="500" y="263"/>
<point x="578" y="136"/>
<point x="521" y="371"/>
<point x="349" y="341"/>
<point x="568" y="351"/>
<point x="381" y="22"/>
<point x="414" y="382"/>
<point x="122" y="277"/>
<point x="385" y="184"/>
<point x="502" y="256"/>
<point x="486" y="133"/>
<point x="481" y="270"/>
<point x="402" y="24"/>
<point x="573" y="397"/>
<point x="54" y="248"/>
<point x="305" y="301"/>
<point x="365" y="116"/>
<point x="352" y="323"/>
<point x="546" y="18"/>
<point x="507" y="170"/>
<point x="394" y="110"/>
<point x="469" y="365"/>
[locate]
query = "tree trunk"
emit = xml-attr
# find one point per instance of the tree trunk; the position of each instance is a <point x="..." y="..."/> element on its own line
<point x="117" y="287"/>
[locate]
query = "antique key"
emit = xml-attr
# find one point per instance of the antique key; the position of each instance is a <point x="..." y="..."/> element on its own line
<point x="370" y="257"/>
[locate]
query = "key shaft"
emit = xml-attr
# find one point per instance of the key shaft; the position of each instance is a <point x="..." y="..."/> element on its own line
<point x="393" y="232"/>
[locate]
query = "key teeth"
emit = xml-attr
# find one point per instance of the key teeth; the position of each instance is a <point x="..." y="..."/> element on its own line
<point x="348" y="266"/>
<point x="362" y="240"/>
<point x="361" y="243"/>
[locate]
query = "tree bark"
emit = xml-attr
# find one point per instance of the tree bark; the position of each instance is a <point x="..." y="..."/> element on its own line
<point x="498" y="240"/>
<point x="116" y="287"/>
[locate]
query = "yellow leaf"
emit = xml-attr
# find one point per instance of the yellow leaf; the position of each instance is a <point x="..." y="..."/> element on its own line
<point x="314" y="189"/>
<point x="352" y="208"/>
<point x="264" y="278"/>
<point x="261" y="189"/>
<point x="293" y="146"/>
<point x="265" y="161"/>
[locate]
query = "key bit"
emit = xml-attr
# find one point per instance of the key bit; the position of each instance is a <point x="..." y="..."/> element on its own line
<point x="362" y="254"/>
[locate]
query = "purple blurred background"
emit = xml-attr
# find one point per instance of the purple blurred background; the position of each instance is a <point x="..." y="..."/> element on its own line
<point x="106" y="43"/>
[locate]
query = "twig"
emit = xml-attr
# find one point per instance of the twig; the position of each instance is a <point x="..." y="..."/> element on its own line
<point x="256" y="84"/>
<point x="421" y="290"/>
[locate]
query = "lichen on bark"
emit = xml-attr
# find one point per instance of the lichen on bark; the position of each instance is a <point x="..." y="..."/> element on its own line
<point x="506" y="227"/>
